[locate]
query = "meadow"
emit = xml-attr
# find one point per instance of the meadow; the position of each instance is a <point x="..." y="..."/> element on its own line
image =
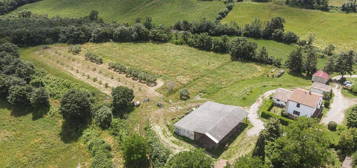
<point x="162" y="11"/>
<point x="327" y="27"/>
<point x="29" y="142"/>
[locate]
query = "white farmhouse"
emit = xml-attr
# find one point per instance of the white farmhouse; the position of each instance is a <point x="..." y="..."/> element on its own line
<point x="304" y="103"/>
<point x="320" y="88"/>
<point x="281" y="96"/>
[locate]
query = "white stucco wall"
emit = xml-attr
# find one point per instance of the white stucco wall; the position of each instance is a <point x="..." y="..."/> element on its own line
<point x="304" y="110"/>
<point x="314" y="90"/>
<point x="185" y="133"/>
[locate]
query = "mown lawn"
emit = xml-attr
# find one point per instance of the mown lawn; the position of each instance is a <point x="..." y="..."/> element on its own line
<point x="327" y="27"/>
<point x="29" y="142"/>
<point x="162" y="11"/>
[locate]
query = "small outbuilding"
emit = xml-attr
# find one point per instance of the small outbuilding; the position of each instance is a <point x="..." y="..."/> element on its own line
<point x="212" y="124"/>
<point x="320" y="88"/>
<point x="281" y="96"/>
<point x="321" y="77"/>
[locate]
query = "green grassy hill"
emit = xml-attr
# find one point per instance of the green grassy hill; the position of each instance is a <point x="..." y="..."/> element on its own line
<point x="336" y="28"/>
<point x="162" y="11"/>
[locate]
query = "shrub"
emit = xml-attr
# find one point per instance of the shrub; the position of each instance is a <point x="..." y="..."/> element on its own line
<point x="75" y="49"/>
<point x="39" y="97"/>
<point x="352" y="117"/>
<point x="101" y="153"/>
<point x="103" y="117"/>
<point x="184" y="94"/>
<point x="283" y="120"/>
<point x="135" y="150"/>
<point x="118" y="128"/>
<point x="76" y="106"/>
<point x="332" y="125"/>
<point x="190" y="159"/>
<point x="94" y="58"/>
<point x="19" y="95"/>
<point x="122" y="99"/>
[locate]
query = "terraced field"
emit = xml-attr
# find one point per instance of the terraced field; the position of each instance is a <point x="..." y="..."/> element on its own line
<point x="327" y="27"/>
<point x="162" y="11"/>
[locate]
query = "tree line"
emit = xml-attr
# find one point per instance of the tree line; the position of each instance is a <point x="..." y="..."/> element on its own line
<point x="9" y="5"/>
<point x="16" y="80"/>
<point x="272" y="30"/>
<point x="309" y="4"/>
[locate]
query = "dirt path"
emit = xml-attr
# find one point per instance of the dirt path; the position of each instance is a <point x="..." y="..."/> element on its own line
<point x="338" y="107"/>
<point x="253" y="116"/>
<point x="168" y="141"/>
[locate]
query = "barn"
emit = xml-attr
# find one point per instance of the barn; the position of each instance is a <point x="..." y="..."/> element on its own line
<point x="211" y="124"/>
<point x="321" y="77"/>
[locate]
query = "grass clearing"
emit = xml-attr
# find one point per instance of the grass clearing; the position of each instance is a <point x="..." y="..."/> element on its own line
<point x="328" y="28"/>
<point x="162" y="11"/>
<point x="25" y="142"/>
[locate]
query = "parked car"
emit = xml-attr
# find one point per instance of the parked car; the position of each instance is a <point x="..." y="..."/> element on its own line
<point x="347" y="83"/>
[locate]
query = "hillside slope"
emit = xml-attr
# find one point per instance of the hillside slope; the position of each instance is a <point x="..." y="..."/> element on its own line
<point x="162" y="11"/>
<point x="336" y="28"/>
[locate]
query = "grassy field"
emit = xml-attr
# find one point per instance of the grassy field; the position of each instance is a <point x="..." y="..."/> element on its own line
<point x="25" y="142"/>
<point x="207" y="74"/>
<point x="162" y="11"/>
<point x="328" y="28"/>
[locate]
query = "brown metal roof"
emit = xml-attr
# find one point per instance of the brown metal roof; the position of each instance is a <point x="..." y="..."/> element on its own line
<point x="305" y="97"/>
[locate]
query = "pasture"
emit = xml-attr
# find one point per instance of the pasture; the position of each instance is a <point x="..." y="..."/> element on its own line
<point x="162" y="11"/>
<point x="327" y="27"/>
<point x="29" y="142"/>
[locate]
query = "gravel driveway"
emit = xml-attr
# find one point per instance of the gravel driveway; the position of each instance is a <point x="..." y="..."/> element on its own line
<point x="338" y="107"/>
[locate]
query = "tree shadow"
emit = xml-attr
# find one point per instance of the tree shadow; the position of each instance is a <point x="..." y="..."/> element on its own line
<point x="40" y="112"/>
<point x="72" y="130"/>
<point x="123" y="114"/>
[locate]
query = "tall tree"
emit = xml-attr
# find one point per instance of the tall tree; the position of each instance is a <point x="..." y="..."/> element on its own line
<point x="122" y="99"/>
<point x="76" y="106"/>
<point x="310" y="62"/>
<point x="190" y="159"/>
<point x="344" y="63"/>
<point x="135" y="149"/>
<point x="330" y="65"/>
<point x="295" y="61"/>
<point x="304" y="145"/>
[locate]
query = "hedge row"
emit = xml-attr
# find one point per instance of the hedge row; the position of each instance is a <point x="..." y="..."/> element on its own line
<point x="94" y="58"/>
<point x="135" y="74"/>
<point x="283" y="120"/>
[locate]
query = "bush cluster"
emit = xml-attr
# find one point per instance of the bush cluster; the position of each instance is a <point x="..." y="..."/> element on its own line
<point x="99" y="149"/>
<point x="93" y="58"/>
<point x="9" y="5"/>
<point x="15" y="80"/>
<point x="273" y="30"/>
<point x="142" y="76"/>
<point x="310" y="4"/>
<point x="350" y="6"/>
<point x="75" y="49"/>
<point x="283" y="120"/>
<point x="239" y="48"/>
<point x="222" y="14"/>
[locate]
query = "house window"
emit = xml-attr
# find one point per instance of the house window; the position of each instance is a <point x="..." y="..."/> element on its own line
<point x="298" y="105"/>
<point x="296" y="113"/>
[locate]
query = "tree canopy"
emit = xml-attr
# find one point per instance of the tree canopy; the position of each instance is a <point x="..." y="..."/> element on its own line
<point x="190" y="159"/>
<point x="76" y="106"/>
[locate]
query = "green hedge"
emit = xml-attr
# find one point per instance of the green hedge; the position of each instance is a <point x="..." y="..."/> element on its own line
<point x="283" y="120"/>
<point x="144" y="77"/>
<point x="267" y="105"/>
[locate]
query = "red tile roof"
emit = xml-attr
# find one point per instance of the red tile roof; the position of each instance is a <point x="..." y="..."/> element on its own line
<point x="305" y="97"/>
<point x="322" y="74"/>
